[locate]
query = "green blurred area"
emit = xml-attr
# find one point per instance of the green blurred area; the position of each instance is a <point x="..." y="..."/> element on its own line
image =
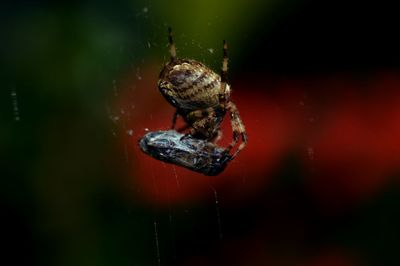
<point x="63" y="170"/>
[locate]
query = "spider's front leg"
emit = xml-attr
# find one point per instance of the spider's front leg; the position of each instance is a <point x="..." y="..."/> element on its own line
<point x="174" y="117"/>
<point x="237" y="129"/>
<point x="202" y="123"/>
<point x="202" y="113"/>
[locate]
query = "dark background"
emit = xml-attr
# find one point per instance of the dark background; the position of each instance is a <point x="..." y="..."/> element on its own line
<point x="316" y="83"/>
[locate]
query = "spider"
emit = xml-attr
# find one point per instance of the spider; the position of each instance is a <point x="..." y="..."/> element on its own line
<point x="201" y="97"/>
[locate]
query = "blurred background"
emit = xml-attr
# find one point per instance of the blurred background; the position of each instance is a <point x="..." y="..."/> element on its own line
<point x="316" y="83"/>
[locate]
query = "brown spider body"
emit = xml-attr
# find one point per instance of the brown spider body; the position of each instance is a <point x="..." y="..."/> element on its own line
<point x="190" y="86"/>
<point x="201" y="97"/>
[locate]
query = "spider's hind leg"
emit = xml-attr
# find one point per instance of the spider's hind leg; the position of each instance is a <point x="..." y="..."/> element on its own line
<point x="174" y="117"/>
<point x="217" y="137"/>
<point x="172" y="49"/>
<point x="202" y="123"/>
<point x="238" y="129"/>
<point x="224" y="69"/>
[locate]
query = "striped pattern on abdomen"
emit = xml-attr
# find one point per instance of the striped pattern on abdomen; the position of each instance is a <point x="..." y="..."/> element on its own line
<point x="194" y="85"/>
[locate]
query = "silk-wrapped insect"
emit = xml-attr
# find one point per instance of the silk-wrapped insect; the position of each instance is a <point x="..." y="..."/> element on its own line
<point x="186" y="151"/>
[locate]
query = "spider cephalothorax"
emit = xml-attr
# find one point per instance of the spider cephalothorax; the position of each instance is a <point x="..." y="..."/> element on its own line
<point x="201" y="97"/>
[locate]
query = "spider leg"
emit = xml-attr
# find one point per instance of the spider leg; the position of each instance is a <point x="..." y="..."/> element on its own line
<point x="203" y="123"/>
<point x="224" y="74"/>
<point x="217" y="136"/>
<point x="172" y="49"/>
<point x="236" y="122"/>
<point x="224" y="69"/>
<point x="237" y="128"/>
<point x="203" y="128"/>
<point x="192" y="131"/>
<point x="174" y="117"/>
<point x="182" y="128"/>
<point x="196" y="114"/>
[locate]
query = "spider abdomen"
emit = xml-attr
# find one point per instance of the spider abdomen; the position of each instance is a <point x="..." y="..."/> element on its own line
<point x="188" y="84"/>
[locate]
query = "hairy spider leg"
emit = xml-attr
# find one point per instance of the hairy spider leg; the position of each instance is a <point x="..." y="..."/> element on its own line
<point x="237" y="128"/>
<point x="224" y="70"/>
<point x="172" y="49"/>
<point x="174" y="117"/>
<point x="201" y="113"/>
<point x="218" y="137"/>
<point x="236" y="122"/>
<point x="202" y="118"/>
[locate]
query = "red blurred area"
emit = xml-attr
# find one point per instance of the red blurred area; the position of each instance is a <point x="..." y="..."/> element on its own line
<point x="356" y="142"/>
<point x="348" y="130"/>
